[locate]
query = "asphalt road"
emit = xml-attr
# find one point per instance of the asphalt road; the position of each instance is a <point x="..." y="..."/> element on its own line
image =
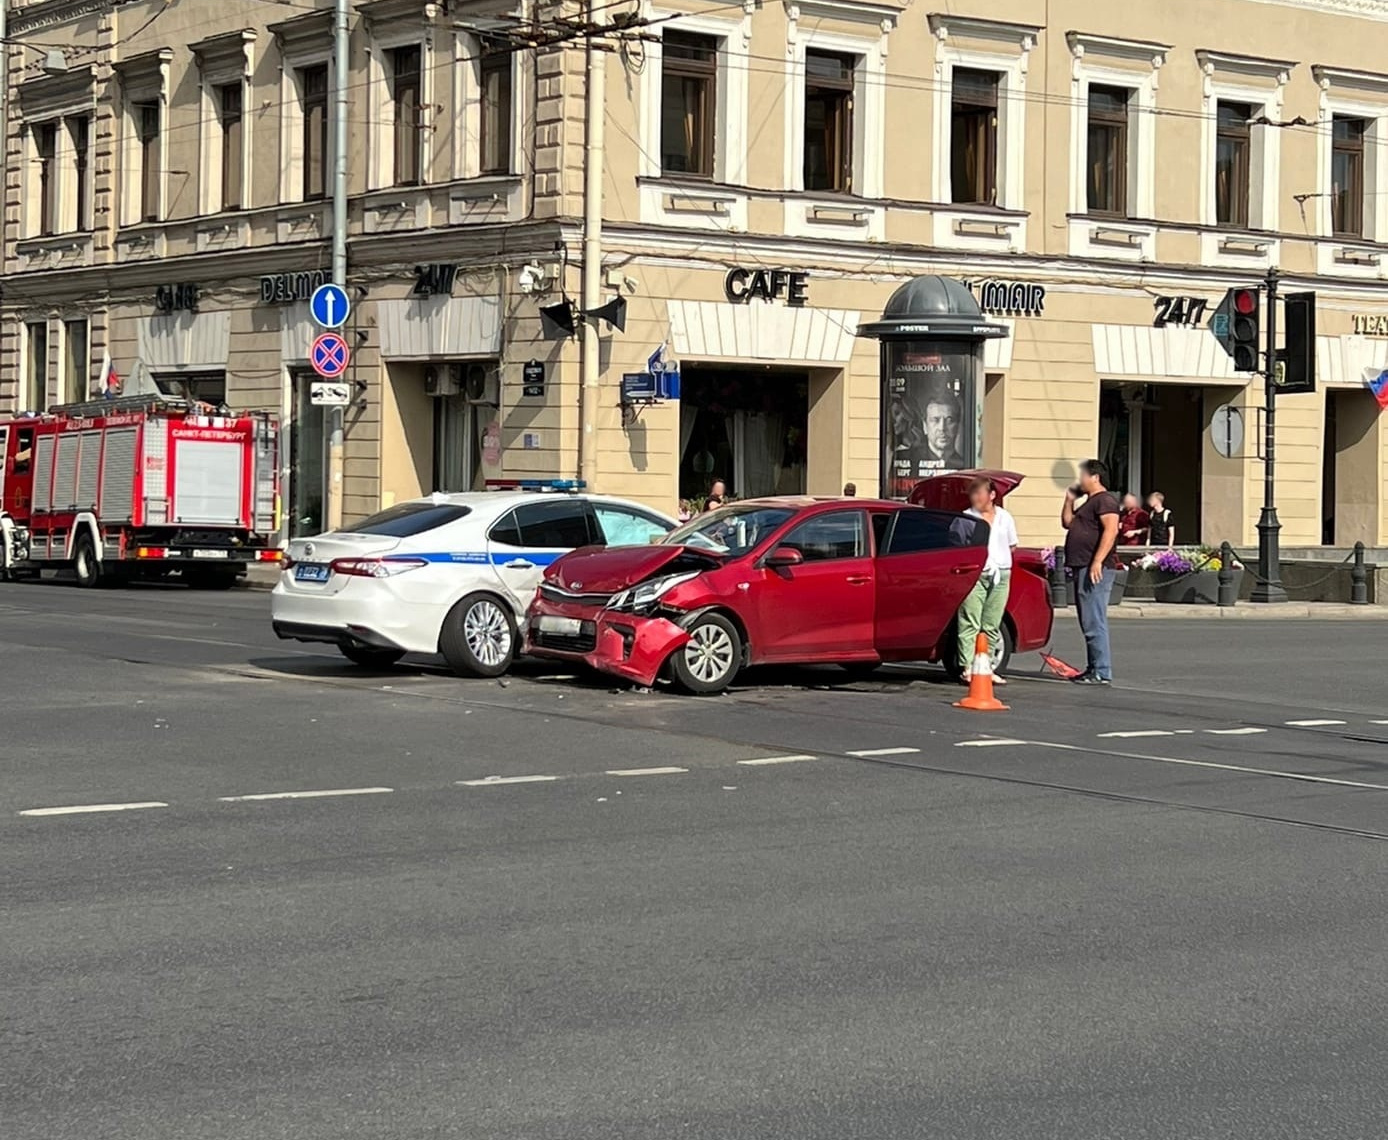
<point x="555" y="908"/>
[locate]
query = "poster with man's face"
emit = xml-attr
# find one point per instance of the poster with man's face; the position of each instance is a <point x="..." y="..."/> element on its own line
<point x="928" y="416"/>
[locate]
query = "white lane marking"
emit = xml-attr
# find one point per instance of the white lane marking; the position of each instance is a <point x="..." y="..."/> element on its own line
<point x="995" y="742"/>
<point x="314" y="795"/>
<point x="866" y="752"/>
<point x="1136" y="733"/>
<point x="492" y="781"/>
<point x="760" y="760"/>
<point x="82" y="809"/>
<point x="1301" y="776"/>
<point x="1311" y="723"/>
<point x="1235" y="731"/>
<point x="645" y="771"/>
<point x="1378" y="722"/>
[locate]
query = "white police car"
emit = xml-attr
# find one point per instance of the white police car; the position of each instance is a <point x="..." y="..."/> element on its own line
<point x="450" y="574"/>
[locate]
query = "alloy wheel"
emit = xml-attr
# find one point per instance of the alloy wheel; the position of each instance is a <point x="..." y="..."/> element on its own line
<point x="487" y="633"/>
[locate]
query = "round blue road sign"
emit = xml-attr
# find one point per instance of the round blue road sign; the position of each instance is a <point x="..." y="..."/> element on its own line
<point x="329" y="306"/>
<point x="329" y="356"/>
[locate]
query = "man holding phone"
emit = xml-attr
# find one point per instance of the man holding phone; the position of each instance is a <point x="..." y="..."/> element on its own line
<point x="1091" y="533"/>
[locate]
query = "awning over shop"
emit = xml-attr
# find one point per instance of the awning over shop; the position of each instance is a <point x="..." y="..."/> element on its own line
<point x="431" y="328"/>
<point x="1170" y="353"/>
<point x="715" y="330"/>
<point x="1342" y="360"/>
<point x="184" y="341"/>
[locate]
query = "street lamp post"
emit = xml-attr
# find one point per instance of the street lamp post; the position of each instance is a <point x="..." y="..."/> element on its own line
<point x="1268" y="588"/>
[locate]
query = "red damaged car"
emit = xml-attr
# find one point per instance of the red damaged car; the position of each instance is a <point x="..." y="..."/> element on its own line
<point x="851" y="582"/>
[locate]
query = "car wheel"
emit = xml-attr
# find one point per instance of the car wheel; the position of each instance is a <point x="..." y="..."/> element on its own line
<point x="370" y="657"/>
<point x="710" y="660"/>
<point x="479" y="637"/>
<point x="1001" y="659"/>
<point x="84" y="564"/>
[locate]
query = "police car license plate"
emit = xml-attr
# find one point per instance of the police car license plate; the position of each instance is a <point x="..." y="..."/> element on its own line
<point x="561" y="625"/>
<point x="311" y="572"/>
<point x="211" y="554"/>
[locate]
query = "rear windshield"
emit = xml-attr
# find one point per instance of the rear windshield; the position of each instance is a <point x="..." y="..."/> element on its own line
<point x="409" y="518"/>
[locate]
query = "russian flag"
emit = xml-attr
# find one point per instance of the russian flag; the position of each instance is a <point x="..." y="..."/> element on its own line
<point x="1377" y="382"/>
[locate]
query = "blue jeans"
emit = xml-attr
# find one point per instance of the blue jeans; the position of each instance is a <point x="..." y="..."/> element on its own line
<point x="1092" y="603"/>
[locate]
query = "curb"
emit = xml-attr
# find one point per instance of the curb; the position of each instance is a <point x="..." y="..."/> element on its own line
<point x="1248" y="611"/>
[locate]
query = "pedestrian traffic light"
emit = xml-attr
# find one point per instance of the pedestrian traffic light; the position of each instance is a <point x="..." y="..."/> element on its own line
<point x="1244" y="329"/>
<point x="1299" y="357"/>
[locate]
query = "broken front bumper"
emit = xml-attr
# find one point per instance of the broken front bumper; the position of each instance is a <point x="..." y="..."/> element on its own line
<point x="627" y="645"/>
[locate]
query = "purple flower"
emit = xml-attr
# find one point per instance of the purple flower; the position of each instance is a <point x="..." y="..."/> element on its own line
<point x="1173" y="562"/>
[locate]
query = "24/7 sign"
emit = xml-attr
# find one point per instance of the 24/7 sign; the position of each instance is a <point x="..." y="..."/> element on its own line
<point x="329" y="356"/>
<point x="1184" y="311"/>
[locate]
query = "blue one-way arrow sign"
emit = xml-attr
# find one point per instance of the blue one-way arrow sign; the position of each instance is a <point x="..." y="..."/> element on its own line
<point x="329" y="306"/>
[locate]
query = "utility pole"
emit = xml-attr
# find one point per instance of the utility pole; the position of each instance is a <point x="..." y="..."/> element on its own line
<point x="1268" y="588"/>
<point x="336" y="461"/>
<point x="592" y="255"/>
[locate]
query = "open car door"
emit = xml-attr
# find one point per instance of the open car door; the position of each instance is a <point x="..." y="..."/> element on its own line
<point x="927" y="564"/>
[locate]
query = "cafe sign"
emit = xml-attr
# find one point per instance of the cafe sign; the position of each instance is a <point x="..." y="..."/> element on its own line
<point x="288" y="288"/>
<point x="1370" y="324"/>
<point x="742" y="286"/>
<point x="1008" y="298"/>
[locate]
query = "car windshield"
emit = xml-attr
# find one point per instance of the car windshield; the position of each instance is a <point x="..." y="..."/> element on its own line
<point x="730" y="530"/>
<point x="409" y="518"/>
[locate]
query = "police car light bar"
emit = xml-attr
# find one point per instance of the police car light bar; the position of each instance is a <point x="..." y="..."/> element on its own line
<point x="535" y="484"/>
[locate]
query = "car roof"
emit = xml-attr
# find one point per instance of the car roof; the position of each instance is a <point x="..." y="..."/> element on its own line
<point x="496" y="502"/>
<point x="803" y="502"/>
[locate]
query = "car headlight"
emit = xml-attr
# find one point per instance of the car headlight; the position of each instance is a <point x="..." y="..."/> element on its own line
<point x="637" y="599"/>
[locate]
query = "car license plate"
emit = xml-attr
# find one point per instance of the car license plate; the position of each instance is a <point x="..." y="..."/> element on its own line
<point x="312" y="572"/>
<point x="561" y="625"/>
<point x="211" y="554"/>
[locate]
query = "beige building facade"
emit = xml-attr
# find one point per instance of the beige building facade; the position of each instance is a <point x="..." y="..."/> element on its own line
<point x="773" y="173"/>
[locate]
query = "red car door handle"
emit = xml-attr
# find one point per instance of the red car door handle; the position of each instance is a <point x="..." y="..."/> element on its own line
<point x="963" y="570"/>
<point x="858" y="580"/>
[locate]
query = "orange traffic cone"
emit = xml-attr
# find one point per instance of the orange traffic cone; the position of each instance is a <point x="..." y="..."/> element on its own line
<point x="980" y="697"/>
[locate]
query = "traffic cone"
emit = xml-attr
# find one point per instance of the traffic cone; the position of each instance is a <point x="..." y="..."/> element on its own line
<point x="980" y="697"/>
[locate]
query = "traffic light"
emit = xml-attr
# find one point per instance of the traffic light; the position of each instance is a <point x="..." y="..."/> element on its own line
<point x="1245" y="329"/>
<point x="1299" y="357"/>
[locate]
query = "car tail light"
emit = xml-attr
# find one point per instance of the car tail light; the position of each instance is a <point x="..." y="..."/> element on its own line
<point x="272" y="556"/>
<point x="151" y="552"/>
<point x="376" y="567"/>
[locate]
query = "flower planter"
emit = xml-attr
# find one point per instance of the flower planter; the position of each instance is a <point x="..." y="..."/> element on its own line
<point x="1115" y="597"/>
<point x="1200" y="588"/>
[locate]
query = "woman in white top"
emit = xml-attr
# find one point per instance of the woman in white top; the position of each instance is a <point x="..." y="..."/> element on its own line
<point x="983" y="608"/>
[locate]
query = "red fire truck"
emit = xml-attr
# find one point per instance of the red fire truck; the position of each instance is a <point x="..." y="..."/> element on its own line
<point x="139" y="486"/>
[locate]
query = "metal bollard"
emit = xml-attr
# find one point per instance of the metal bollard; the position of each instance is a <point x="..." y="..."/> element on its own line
<point x="1228" y="591"/>
<point x="1358" y="578"/>
<point x="1057" y="582"/>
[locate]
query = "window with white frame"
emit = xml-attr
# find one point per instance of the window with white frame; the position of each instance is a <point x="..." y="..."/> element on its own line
<point x="231" y="129"/>
<point x="312" y="84"/>
<point x="1241" y="153"/>
<point x="1232" y="163"/>
<point x="1347" y="175"/>
<point x="980" y="110"/>
<point x="225" y="63"/>
<point x="77" y="360"/>
<point x="79" y="130"/>
<point x="688" y="104"/>
<point x="145" y="90"/>
<point x="305" y="118"/>
<point x="406" y="80"/>
<point x="55" y="183"/>
<point x="34" y="396"/>
<point x="1352" y="138"/>
<point x="496" y="108"/>
<point x="46" y="157"/>
<point x="399" y="100"/>
<point x="1108" y="158"/>
<point x="828" y="137"/>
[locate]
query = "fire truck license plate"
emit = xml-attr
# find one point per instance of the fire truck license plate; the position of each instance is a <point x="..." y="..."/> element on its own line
<point x="311" y="572"/>
<point x="211" y="554"/>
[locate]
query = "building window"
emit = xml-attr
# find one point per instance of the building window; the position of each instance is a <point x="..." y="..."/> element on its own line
<point x="495" y="77"/>
<point x="35" y="396"/>
<point x="828" y="121"/>
<point x="146" y="116"/>
<point x="79" y="132"/>
<point x="200" y="387"/>
<point x="405" y="90"/>
<point x="974" y="137"/>
<point x="313" y="93"/>
<point x="688" y="86"/>
<point x="1232" y="148"/>
<point x="1347" y="177"/>
<point x="46" y="152"/>
<point x="1108" y="150"/>
<point x="229" y="111"/>
<point x="78" y="363"/>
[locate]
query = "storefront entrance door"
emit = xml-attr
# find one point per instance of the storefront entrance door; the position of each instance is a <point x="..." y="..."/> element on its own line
<point x="307" y="462"/>
<point x="457" y="445"/>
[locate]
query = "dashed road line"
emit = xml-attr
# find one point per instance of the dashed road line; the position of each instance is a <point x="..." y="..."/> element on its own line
<point x="85" y="809"/>
<point x="495" y="781"/>
<point x="645" y="771"/>
<point x="865" y="753"/>
<point x="992" y="742"/>
<point x="1311" y="723"/>
<point x="763" y="760"/>
<point x="311" y="795"/>
<point x="1235" y="731"/>
<point x="1136" y="733"/>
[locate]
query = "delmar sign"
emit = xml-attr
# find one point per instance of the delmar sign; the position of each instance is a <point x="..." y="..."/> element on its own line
<point x="1370" y="324"/>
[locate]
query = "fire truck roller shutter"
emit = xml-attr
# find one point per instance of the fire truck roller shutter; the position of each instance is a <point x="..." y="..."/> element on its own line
<point x="118" y="475"/>
<point x="207" y="481"/>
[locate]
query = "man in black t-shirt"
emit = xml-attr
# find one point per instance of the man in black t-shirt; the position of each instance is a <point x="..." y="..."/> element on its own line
<point x="1091" y="533"/>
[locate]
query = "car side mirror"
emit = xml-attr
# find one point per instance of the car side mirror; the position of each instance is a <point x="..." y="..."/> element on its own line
<point x="783" y="557"/>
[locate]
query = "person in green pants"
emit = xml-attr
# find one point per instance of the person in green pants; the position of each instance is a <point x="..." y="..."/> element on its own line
<point x="983" y="608"/>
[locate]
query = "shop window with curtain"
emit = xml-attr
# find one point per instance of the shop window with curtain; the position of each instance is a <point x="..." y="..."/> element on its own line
<point x="1347" y="177"/>
<point x="688" y="94"/>
<point x="46" y="155"/>
<point x="77" y="370"/>
<point x="1108" y="151"/>
<point x="405" y="95"/>
<point x="974" y="137"/>
<point x="230" y="111"/>
<point x="829" y="121"/>
<point x="1233" y="145"/>
<point x="494" y="76"/>
<point x="458" y="430"/>
<point x="79" y="135"/>
<point x="313" y="94"/>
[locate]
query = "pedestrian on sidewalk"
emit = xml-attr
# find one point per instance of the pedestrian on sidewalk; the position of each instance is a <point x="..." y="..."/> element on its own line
<point x="1133" y="523"/>
<point x="1091" y="533"/>
<point x="983" y="608"/>
<point x="1163" y="530"/>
